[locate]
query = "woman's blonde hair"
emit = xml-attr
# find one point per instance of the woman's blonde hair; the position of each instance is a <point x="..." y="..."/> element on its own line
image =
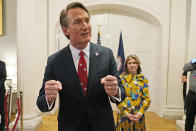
<point x="126" y="71"/>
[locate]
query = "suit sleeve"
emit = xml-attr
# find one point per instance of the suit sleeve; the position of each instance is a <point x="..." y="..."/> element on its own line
<point x="41" y="100"/>
<point x="3" y="74"/>
<point x="113" y="71"/>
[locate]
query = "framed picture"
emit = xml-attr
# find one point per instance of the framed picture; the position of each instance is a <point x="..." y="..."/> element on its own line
<point x="1" y="18"/>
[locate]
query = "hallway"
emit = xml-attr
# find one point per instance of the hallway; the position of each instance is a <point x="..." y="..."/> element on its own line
<point x="153" y="123"/>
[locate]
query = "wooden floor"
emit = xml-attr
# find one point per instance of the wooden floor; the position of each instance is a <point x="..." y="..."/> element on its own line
<point x="153" y="123"/>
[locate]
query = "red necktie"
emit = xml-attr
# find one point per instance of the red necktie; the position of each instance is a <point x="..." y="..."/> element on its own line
<point x="82" y="72"/>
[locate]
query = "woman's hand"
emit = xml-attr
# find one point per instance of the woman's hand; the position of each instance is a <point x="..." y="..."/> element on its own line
<point x="130" y="117"/>
<point x="137" y="117"/>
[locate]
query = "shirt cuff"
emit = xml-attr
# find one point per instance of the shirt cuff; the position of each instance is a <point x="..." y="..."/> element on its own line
<point x="49" y="105"/>
<point x="118" y="98"/>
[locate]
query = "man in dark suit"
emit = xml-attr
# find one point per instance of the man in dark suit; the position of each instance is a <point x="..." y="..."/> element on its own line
<point x="190" y="102"/>
<point x="3" y="76"/>
<point x="184" y="81"/>
<point x="83" y="101"/>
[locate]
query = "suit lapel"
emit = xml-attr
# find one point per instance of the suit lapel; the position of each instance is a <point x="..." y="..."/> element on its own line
<point x="94" y="54"/>
<point x="74" y="76"/>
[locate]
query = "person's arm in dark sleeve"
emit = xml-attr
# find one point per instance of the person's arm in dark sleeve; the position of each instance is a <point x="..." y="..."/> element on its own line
<point x="41" y="100"/>
<point x="4" y="74"/>
<point x="113" y="70"/>
<point x="190" y="66"/>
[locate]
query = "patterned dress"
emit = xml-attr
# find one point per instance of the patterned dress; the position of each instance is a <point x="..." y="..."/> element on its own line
<point x="136" y="100"/>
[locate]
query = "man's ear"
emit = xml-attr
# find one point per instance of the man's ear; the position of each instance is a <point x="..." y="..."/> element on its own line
<point x="65" y="30"/>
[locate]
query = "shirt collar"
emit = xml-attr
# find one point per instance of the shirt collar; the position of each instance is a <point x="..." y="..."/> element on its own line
<point x="75" y="51"/>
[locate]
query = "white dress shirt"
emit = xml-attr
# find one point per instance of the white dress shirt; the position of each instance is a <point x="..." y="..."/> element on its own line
<point x="76" y="55"/>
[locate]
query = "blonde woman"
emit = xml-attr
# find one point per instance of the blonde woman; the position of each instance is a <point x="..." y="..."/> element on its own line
<point x="132" y="108"/>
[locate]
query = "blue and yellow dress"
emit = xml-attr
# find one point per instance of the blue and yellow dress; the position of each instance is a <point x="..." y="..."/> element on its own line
<point x="137" y="100"/>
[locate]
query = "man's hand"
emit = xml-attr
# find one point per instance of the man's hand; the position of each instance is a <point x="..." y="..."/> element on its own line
<point x="110" y="85"/>
<point x="52" y="87"/>
<point x="184" y="78"/>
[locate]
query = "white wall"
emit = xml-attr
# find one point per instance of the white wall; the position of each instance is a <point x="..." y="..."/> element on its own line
<point x="176" y="54"/>
<point x="8" y="40"/>
<point x="139" y="37"/>
<point x="192" y="38"/>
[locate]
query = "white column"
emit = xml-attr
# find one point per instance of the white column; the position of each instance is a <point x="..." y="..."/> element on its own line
<point x="174" y="98"/>
<point x="31" y="55"/>
<point x="192" y="38"/>
<point x="53" y="22"/>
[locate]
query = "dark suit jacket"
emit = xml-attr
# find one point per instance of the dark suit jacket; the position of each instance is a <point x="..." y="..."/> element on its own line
<point x="75" y="109"/>
<point x="3" y="76"/>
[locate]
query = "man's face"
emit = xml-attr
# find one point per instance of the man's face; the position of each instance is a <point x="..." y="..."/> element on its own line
<point x="79" y="27"/>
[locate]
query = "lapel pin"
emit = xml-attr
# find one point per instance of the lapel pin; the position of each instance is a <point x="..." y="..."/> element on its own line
<point x="97" y="54"/>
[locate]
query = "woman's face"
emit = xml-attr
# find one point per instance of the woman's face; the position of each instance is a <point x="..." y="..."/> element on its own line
<point x="132" y="66"/>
